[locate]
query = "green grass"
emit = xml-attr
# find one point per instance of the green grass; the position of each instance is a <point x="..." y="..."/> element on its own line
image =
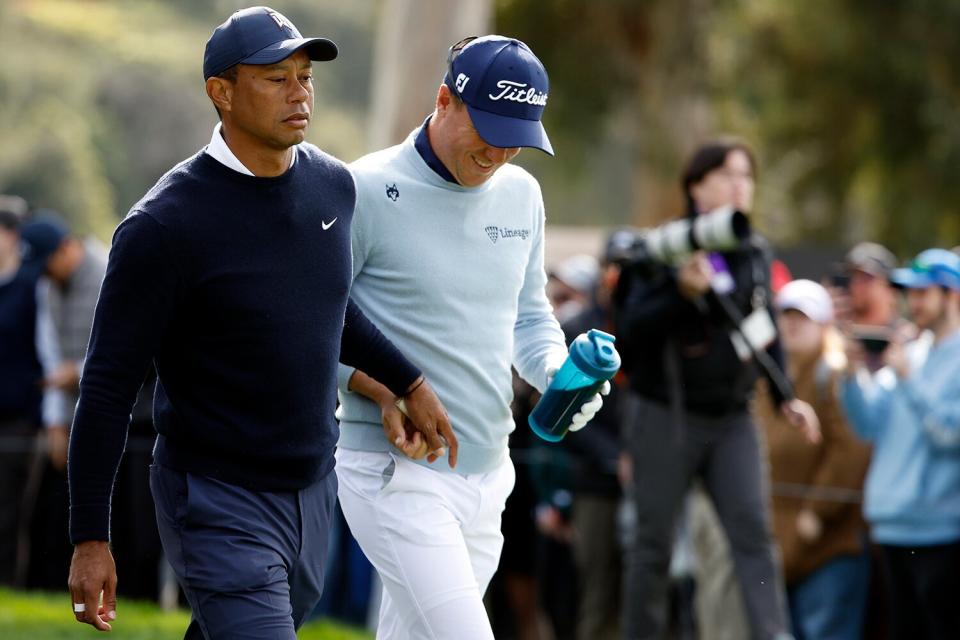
<point x="45" y="616"/>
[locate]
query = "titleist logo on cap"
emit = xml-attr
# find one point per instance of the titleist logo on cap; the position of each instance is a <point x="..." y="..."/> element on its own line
<point x="519" y="92"/>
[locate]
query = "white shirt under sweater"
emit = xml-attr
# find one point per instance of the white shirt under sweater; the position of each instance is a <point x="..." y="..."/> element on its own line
<point x="222" y="153"/>
<point x="454" y="277"/>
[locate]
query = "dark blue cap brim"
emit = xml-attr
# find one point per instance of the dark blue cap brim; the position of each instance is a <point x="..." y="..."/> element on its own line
<point x="319" y="49"/>
<point x="503" y="132"/>
<point x="910" y="279"/>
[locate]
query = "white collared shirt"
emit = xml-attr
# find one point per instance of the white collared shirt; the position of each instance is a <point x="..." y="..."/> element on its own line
<point x="220" y="152"/>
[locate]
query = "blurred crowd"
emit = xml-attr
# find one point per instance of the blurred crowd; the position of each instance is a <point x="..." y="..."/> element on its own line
<point x="693" y="506"/>
<point x="49" y="283"/>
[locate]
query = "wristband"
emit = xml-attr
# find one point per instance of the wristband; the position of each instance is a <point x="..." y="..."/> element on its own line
<point x="415" y="387"/>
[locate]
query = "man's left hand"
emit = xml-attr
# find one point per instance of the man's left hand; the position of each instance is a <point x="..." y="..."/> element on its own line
<point x="428" y="416"/>
<point x="802" y="416"/>
<point x="589" y="408"/>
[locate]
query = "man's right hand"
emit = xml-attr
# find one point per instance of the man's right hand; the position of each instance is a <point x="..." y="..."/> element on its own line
<point x="92" y="573"/>
<point x="400" y="431"/>
<point x="430" y="418"/>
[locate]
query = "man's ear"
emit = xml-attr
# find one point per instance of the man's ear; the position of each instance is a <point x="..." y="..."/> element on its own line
<point x="444" y="99"/>
<point x="220" y="92"/>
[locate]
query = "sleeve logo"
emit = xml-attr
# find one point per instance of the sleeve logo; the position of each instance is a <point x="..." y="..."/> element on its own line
<point x="392" y="192"/>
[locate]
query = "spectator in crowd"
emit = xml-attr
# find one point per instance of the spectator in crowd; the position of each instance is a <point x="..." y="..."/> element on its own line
<point x="865" y="304"/>
<point x="570" y="286"/>
<point x="910" y="411"/>
<point x="595" y="487"/>
<point x="53" y="253"/>
<point x="536" y="564"/>
<point x="516" y="610"/>
<point x="536" y="574"/>
<point x="75" y="269"/>
<point x="818" y="526"/>
<point x="690" y="419"/>
<point x="28" y="354"/>
<point x="866" y="297"/>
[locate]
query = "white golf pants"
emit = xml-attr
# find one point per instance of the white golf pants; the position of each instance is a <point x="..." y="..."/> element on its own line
<point x="434" y="538"/>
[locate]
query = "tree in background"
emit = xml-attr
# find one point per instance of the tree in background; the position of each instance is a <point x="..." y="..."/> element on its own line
<point x="853" y="105"/>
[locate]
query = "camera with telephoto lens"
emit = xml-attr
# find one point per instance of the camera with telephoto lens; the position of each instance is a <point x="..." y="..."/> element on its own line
<point x="722" y="229"/>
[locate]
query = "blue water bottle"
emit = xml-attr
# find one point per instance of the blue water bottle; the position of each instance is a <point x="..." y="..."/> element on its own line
<point x="592" y="361"/>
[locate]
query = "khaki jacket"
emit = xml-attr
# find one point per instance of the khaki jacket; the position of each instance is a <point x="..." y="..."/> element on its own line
<point x="839" y="461"/>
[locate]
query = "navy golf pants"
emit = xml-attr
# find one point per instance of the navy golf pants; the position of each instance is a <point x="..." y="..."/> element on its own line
<point x="250" y="562"/>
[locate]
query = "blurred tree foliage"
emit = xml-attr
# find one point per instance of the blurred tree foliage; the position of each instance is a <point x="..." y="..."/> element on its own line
<point x="853" y="106"/>
<point x="99" y="99"/>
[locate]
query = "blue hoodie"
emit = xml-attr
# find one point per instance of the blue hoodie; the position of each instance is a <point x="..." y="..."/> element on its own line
<point x="913" y="485"/>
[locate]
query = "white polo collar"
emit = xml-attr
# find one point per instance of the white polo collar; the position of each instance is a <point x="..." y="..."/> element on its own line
<point x="220" y="152"/>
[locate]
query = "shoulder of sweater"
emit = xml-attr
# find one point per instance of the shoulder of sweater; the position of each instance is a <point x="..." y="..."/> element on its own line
<point x="512" y="171"/>
<point x="160" y="200"/>
<point x="376" y="161"/>
<point x="373" y="164"/>
<point x="316" y="154"/>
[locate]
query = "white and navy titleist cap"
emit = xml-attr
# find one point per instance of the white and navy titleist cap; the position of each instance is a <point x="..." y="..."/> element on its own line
<point x="259" y="35"/>
<point x="505" y="88"/>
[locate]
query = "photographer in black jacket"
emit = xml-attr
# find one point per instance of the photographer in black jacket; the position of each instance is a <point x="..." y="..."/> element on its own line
<point x="691" y="387"/>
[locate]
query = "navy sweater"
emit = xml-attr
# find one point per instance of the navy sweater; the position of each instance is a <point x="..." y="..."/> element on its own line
<point x="233" y="287"/>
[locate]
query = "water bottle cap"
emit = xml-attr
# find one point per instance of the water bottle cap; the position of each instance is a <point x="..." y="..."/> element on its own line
<point x="595" y="355"/>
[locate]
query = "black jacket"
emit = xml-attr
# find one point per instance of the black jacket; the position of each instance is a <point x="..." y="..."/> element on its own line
<point x="652" y="315"/>
<point x="595" y="448"/>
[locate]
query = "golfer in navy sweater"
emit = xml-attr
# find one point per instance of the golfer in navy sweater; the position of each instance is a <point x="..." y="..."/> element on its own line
<point x="232" y="275"/>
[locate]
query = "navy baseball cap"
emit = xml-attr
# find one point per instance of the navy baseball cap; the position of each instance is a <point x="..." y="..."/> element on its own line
<point x="932" y="268"/>
<point x="259" y="35"/>
<point x="43" y="234"/>
<point x="505" y="88"/>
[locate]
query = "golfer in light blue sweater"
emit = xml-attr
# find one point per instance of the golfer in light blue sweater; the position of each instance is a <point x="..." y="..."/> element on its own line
<point x="910" y="411"/>
<point x="448" y="261"/>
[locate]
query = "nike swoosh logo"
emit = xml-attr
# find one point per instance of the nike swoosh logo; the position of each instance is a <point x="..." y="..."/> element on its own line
<point x="327" y="225"/>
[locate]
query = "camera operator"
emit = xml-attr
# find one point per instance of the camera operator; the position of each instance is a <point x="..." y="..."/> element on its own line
<point x="691" y="389"/>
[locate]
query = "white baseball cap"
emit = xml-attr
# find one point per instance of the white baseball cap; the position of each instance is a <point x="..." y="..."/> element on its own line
<point x="579" y="272"/>
<point x="807" y="297"/>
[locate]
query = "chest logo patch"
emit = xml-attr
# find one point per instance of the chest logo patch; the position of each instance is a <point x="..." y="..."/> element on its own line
<point x="392" y="192"/>
<point x="495" y="233"/>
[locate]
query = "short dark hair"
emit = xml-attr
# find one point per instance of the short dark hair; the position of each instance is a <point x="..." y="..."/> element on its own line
<point x="9" y="221"/>
<point x="230" y="74"/>
<point x="13" y="210"/>
<point x="708" y="157"/>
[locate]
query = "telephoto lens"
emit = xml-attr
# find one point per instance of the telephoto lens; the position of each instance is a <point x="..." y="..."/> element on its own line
<point x="719" y="230"/>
